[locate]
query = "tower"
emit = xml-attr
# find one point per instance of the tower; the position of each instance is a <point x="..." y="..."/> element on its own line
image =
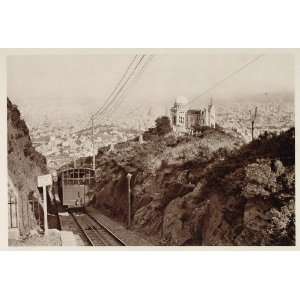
<point x="178" y="114"/>
<point x="211" y="115"/>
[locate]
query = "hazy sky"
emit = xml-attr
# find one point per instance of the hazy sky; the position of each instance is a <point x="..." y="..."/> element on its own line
<point x="86" y="80"/>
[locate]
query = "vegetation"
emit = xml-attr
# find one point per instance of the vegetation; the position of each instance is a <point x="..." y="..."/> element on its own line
<point x="208" y="189"/>
<point x="267" y="146"/>
<point x="163" y="125"/>
<point x="257" y="186"/>
<point x="24" y="165"/>
<point x="161" y="129"/>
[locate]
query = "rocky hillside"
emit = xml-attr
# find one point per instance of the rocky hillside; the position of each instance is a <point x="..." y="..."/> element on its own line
<point x="211" y="189"/>
<point x="24" y="165"/>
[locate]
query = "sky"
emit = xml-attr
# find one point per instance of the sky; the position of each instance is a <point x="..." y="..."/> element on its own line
<point x="76" y="83"/>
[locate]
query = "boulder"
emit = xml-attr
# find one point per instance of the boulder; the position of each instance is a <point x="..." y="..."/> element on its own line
<point x="148" y="219"/>
<point x="182" y="222"/>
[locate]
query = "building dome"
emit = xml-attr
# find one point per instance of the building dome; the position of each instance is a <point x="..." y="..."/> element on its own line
<point x="181" y="100"/>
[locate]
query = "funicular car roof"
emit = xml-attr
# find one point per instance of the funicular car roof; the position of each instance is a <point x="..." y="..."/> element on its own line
<point x="68" y="171"/>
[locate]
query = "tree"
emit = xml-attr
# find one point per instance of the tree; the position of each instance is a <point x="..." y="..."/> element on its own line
<point x="163" y="125"/>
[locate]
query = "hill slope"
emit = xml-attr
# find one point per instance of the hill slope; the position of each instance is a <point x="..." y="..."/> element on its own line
<point x="24" y="165"/>
<point x="206" y="190"/>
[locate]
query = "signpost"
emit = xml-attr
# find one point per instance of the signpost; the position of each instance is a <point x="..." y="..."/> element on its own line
<point x="44" y="181"/>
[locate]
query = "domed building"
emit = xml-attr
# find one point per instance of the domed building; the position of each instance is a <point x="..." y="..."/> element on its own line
<point x="178" y="113"/>
<point x="185" y="120"/>
<point x="181" y="101"/>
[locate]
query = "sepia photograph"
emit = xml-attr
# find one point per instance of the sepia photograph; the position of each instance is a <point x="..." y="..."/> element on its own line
<point x="151" y="149"/>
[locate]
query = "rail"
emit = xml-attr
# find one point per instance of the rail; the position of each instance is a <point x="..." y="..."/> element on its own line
<point x="96" y="233"/>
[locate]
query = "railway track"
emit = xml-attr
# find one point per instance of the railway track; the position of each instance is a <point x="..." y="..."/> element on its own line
<point x="96" y="233"/>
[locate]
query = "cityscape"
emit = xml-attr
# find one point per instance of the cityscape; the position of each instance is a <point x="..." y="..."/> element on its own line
<point x="61" y="143"/>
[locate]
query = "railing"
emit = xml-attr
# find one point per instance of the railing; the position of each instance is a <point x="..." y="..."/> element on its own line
<point x="13" y="197"/>
<point x="21" y="214"/>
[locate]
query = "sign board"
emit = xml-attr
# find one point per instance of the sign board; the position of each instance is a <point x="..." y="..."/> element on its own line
<point x="44" y="180"/>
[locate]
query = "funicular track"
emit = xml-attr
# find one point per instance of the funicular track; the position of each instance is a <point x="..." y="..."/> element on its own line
<point x="96" y="233"/>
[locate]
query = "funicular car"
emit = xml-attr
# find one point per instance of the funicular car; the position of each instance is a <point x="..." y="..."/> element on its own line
<point x="76" y="186"/>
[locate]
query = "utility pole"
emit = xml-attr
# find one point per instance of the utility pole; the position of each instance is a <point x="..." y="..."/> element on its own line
<point x="253" y="118"/>
<point x="129" y="200"/>
<point x="93" y="144"/>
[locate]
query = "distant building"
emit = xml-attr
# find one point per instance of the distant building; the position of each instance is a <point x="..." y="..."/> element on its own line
<point x="185" y="120"/>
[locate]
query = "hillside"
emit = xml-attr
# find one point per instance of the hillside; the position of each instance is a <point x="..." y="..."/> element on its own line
<point x="24" y="165"/>
<point x="207" y="190"/>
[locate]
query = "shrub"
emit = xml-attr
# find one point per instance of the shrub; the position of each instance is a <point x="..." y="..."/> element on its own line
<point x="10" y="147"/>
<point x="27" y="149"/>
<point x="163" y="125"/>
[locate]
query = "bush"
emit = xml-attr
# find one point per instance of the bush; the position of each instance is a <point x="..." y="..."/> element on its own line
<point x="10" y="147"/>
<point x="22" y="125"/>
<point x="200" y="129"/>
<point x="163" y="125"/>
<point x="27" y="149"/>
<point x="19" y="135"/>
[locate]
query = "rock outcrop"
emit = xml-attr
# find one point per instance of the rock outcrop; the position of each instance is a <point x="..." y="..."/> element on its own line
<point x="207" y="190"/>
<point x="24" y="165"/>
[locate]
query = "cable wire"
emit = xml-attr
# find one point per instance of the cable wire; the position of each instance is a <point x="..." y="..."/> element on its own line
<point x="134" y="81"/>
<point x="109" y="105"/>
<point x="108" y="100"/>
<point x="226" y="78"/>
<point x="117" y="86"/>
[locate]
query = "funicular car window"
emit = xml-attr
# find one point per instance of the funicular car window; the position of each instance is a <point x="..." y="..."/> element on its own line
<point x="81" y="176"/>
